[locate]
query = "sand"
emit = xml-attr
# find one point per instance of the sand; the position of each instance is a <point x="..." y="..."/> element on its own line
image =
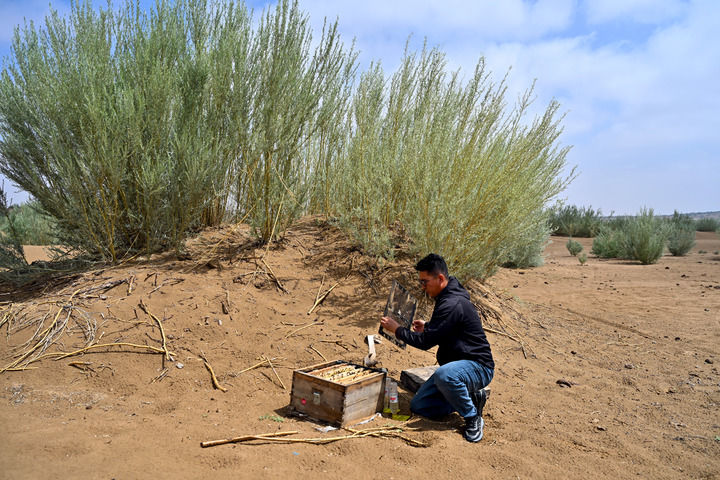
<point x="617" y="375"/>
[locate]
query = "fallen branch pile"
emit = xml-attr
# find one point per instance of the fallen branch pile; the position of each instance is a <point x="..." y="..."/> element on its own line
<point x="388" y="431"/>
<point x="67" y="319"/>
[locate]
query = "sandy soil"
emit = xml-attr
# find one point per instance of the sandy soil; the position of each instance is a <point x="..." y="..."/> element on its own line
<point x="637" y="345"/>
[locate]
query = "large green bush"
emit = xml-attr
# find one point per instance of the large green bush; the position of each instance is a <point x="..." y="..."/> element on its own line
<point x="132" y="129"/>
<point x="467" y="178"/>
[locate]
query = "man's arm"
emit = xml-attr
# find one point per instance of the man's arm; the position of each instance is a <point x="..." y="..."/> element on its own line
<point x="439" y="328"/>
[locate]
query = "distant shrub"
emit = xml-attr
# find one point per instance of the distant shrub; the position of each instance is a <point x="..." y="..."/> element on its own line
<point x="12" y="255"/>
<point x="680" y="241"/>
<point x="32" y="227"/>
<point x="646" y="237"/>
<point x="641" y="238"/>
<point x="582" y="258"/>
<point x="574" y="247"/>
<point x="609" y="243"/>
<point x="575" y="222"/>
<point x="707" y="224"/>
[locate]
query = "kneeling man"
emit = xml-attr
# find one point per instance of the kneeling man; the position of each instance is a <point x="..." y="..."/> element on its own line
<point x="464" y="356"/>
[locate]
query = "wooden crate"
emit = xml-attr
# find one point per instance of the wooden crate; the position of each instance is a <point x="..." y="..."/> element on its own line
<point x="338" y="392"/>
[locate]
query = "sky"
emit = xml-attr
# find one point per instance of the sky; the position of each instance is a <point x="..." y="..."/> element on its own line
<point x="637" y="80"/>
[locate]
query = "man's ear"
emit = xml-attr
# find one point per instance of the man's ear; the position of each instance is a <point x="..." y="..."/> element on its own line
<point x="442" y="277"/>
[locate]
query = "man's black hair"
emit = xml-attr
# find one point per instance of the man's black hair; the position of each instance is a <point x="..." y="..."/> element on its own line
<point x="433" y="264"/>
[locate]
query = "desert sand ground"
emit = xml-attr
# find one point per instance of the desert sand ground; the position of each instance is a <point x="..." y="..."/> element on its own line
<point x="607" y="370"/>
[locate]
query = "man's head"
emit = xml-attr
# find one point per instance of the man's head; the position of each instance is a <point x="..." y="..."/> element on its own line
<point x="433" y="274"/>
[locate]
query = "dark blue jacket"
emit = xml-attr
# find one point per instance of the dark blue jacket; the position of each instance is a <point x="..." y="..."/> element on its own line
<point x="455" y="326"/>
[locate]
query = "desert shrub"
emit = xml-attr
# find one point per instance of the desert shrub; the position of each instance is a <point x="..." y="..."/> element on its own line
<point x="467" y="178"/>
<point x="30" y="225"/>
<point x="582" y="259"/>
<point x="573" y="246"/>
<point x="681" y="234"/>
<point x="680" y="241"/>
<point x="641" y="238"/>
<point x="707" y="224"/>
<point x="609" y="243"/>
<point x="12" y="255"/>
<point x="132" y="129"/>
<point x="575" y="221"/>
<point x="646" y="237"/>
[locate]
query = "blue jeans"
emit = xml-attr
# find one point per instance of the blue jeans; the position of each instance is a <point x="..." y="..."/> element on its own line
<point x="448" y="389"/>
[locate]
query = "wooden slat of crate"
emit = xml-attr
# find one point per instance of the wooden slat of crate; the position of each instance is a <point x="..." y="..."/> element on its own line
<point x="341" y="404"/>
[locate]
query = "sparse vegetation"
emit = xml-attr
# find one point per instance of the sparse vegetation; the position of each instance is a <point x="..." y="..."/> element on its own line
<point x="574" y="247"/>
<point x="582" y="258"/>
<point x="640" y="238"/>
<point x="574" y="221"/>
<point x="707" y="224"/>
<point x="132" y="130"/>
<point x="30" y="225"/>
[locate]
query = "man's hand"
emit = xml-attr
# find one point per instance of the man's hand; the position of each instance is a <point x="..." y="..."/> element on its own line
<point x="389" y="324"/>
<point x="418" y="326"/>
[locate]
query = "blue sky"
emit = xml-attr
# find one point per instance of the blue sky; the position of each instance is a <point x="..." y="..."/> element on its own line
<point x="639" y="80"/>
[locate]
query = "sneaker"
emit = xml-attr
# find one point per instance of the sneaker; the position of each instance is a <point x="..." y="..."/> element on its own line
<point x="479" y="397"/>
<point x="474" y="428"/>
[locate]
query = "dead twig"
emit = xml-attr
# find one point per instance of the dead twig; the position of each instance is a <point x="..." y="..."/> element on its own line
<point x="320" y="298"/>
<point x="316" y="351"/>
<point x="274" y="277"/>
<point x="169" y="281"/>
<point x="162" y="330"/>
<point x="253" y="367"/>
<point x="130" y="284"/>
<point x="275" y="372"/>
<point x="162" y="375"/>
<point x="84" y="366"/>
<point x="215" y="382"/>
<point x="303" y="327"/>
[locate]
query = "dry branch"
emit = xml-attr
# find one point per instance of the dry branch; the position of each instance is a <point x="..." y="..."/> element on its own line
<point x="316" y="351"/>
<point x="253" y="367"/>
<point x="274" y="277"/>
<point x="169" y="281"/>
<point x="215" y="382"/>
<point x="304" y="326"/>
<point x="162" y="330"/>
<point x="275" y="372"/>
<point x="244" y="438"/>
<point x="320" y="298"/>
<point x="162" y="375"/>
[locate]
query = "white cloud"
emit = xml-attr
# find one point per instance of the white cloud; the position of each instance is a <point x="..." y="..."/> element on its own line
<point x="509" y="19"/>
<point x="640" y="11"/>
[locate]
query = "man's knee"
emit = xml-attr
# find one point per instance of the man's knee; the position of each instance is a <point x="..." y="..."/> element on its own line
<point x="443" y="377"/>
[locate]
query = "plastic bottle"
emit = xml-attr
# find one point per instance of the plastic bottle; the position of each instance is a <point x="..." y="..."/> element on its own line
<point x="393" y="397"/>
<point x="386" y="403"/>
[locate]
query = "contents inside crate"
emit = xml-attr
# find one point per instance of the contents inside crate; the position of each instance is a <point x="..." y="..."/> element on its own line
<point x="338" y="392"/>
